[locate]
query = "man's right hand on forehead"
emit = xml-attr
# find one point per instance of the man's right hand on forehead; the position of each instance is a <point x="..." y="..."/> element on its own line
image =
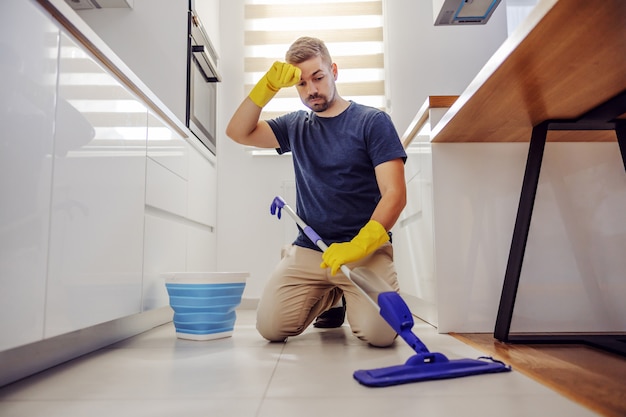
<point x="280" y="75"/>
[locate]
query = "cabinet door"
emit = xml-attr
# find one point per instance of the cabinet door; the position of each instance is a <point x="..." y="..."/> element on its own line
<point x="167" y="147"/>
<point x="28" y="54"/>
<point x="413" y="239"/>
<point x="202" y="191"/>
<point x="96" y="242"/>
<point x="201" y="248"/>
<point x="165" y="251"/>
<point x="165" y="190"/>
<point x="202" y="210"/>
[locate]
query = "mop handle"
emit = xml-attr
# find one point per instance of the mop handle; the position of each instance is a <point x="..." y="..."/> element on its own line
<point x="393" y="309"/>
<point x="279" y="203"/>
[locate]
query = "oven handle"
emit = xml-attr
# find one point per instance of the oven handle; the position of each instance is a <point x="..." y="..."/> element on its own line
<point x="209" y="73"/>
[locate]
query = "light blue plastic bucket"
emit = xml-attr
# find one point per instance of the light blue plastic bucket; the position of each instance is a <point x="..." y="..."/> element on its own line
<point x="204" y="303"/>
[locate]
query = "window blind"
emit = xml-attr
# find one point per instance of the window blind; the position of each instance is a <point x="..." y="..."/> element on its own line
<point x="352" y="31"/>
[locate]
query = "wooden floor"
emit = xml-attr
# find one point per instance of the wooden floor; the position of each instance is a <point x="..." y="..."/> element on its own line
<point x="593" y="378"/>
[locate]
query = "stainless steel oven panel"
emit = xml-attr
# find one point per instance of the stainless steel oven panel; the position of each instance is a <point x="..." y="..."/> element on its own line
<point x="203" y="106"/>
<point x="201" y="84"/>
<point x="202" y="50"/>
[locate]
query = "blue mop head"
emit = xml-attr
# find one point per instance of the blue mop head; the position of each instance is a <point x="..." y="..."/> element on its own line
<point x="426" y="365"/>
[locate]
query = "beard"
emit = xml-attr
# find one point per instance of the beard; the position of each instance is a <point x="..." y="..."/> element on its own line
<point x="322" y="104"/>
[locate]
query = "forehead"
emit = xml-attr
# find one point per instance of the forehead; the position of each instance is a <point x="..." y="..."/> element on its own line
<point x="313" y="66"/>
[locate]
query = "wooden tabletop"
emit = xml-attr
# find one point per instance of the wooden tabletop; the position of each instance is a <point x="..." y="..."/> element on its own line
<point x="566" y="58"/>
<point x="422" y="116"/>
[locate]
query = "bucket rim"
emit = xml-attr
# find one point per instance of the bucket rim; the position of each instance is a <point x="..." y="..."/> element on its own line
<point x="205" y="277"/>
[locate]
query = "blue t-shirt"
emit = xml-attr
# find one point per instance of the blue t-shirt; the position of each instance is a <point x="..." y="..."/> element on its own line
<point x="334" y="160"/>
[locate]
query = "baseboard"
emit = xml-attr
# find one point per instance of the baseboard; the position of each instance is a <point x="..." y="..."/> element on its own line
<point x="30" y="359"/>
<point x="249" y="303"/>
<point x="421" y="309"/>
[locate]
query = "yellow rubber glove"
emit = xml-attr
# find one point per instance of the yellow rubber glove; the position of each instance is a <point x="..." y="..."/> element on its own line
<point x="370" y="238"/>
<point x="280" y="75"/>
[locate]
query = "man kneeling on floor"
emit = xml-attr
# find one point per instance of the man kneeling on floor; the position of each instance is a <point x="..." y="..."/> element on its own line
<point x="349" y="169"/>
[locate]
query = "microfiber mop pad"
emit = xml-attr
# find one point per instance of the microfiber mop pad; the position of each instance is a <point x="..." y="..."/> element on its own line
<point x="425" y="365"/>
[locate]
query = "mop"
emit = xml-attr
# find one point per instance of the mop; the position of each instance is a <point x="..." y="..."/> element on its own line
<point x="424" y="365"/>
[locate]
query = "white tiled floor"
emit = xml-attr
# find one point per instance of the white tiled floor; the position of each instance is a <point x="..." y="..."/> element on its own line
<point x="156" y="374"/>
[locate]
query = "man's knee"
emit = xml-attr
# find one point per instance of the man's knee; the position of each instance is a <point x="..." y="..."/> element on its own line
<point x="274" y="338"/>
<point x="381" y="340"/>
<point x="373" y="330"/>
<point x="276" y="331"/>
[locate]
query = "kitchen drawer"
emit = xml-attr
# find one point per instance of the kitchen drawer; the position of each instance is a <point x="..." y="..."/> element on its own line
<point x="167" y="147"/>
<point x="165" y="189"/>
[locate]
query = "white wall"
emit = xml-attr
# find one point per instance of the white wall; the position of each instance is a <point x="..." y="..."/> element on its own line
<point x="422" y="60"/>
<point x="249" y="238"/>
<point x="425" y="60"/>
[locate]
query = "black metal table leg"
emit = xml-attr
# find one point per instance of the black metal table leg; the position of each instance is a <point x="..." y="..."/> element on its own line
<point x="603" y="117"/>
<point x="520" y="231"/>
<point x="620" y="131"/>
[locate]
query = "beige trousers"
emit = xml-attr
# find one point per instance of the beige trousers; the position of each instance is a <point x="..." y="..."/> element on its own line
<point x="299" y="290"/>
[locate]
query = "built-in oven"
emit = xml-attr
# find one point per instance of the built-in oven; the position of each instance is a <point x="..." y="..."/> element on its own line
<point x="202" y="79"/>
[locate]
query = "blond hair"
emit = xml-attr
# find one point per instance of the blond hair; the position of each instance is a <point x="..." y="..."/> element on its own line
<point x="305" y="48"/>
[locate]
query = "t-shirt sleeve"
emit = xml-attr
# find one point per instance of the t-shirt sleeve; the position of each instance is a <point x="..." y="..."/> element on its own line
<point x="281" y="127"/>
<point x="383" y="141"/>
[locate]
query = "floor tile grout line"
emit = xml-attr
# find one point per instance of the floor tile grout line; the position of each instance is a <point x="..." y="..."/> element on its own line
<point x="269" y="382"/>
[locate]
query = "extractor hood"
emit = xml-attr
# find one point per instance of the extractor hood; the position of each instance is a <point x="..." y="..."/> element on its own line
<point x="99" y="4"/>
<point x="463" y="12"/>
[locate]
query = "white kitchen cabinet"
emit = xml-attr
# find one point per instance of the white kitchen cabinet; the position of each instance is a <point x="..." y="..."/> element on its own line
<point x="27" y="100"/>
<point x="202" y="212"/>
<point x="167" y="147"/>
<point x="96" y="234"/>
<point x="180" y="210"/>
<point x="201" y="248"/>
<point x="413" y="238"/>
<point x="165" y="190"/>
<point x="202" y="188"/>
<point x="167" y="167"/>
<point x="165" y="250"/>
<point x="100" y="196"/>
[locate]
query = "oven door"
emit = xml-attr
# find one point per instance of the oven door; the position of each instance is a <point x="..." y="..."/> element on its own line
<point x="202" y="107"/>
<point x="202" y="79"/>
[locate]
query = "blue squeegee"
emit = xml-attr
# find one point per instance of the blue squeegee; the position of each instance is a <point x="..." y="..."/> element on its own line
<point x="424" y="365"/>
